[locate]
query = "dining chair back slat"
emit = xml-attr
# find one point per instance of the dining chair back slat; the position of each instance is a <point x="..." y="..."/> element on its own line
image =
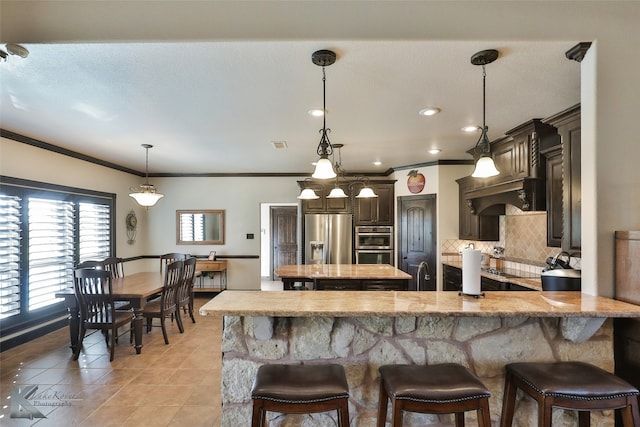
<point x="114" y="266"/>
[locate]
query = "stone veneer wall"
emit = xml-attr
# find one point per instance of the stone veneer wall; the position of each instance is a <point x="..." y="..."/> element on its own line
<point x="361" y="345"/>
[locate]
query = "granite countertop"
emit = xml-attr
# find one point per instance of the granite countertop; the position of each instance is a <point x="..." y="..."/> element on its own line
<point x="341" y="271"/>
<point x="528" y="280"/>
<point x="407" y="303"/>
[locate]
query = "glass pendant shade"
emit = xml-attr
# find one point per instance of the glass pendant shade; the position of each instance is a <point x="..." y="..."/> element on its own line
<point x="324" y="169"/>
<point x="337" y="193"/>
<point x="146" y="195"/>
<point x="366" y="193"/>
<point x="485" y="168"/>
<point x="308" y="194"/>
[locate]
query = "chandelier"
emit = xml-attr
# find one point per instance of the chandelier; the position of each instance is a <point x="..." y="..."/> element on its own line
<point x="324" y="167"/>
<point x="145" y="194"/>
<point x="485" y="167"/>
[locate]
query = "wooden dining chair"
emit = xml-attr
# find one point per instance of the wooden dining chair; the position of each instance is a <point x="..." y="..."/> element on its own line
<point x="114" y="266"/>
<point x="166" y="306"/>
<point x="169" y="258"/>
<point x="97" y="307"/>
<point x="185" y="291"/>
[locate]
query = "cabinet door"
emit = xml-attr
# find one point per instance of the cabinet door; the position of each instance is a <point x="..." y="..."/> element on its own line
<point x="323" y="204"/>
<point x="377" y="210"/>
<point x="452" y="278"/>
<point x="472" y="226"/>
<point x="571" y="137"/>
<point x="554" y="197"/>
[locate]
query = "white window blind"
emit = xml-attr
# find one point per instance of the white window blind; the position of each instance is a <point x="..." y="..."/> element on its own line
<point x="9" y="256"/>
<point x="94" y="233"/>
<point x="51" y="250"/>
<point x="192" y="227"/>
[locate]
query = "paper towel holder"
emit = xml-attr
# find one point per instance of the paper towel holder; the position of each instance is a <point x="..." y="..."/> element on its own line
<point x="480" y="295"/>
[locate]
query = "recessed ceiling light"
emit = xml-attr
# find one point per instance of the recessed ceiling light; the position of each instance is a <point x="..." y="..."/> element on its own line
<point x="316" y="113"/>
<point x="434" y="151"/>
<point x="429" y="111"/>
<point x="377" y="163"/>
<point x="471" y="128"/>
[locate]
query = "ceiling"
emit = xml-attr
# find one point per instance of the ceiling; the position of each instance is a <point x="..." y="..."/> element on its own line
<point x="216" y="106"/>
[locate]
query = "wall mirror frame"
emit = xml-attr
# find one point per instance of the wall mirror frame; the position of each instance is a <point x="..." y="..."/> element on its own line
<point x="200" y="227"/>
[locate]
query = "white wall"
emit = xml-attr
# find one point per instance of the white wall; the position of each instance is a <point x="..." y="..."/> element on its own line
<point x="239" y="197"/>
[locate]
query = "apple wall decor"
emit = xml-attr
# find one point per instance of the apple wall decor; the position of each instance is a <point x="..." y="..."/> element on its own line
<point x="415" y="182"/>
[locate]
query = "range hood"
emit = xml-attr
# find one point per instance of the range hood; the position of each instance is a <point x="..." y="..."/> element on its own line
<point x="522" y="183"/>
<point x="527" y="194"/>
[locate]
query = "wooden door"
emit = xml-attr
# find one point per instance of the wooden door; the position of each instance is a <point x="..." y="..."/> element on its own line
<point x="417" y="237"/>
<point x="284" y="231"/>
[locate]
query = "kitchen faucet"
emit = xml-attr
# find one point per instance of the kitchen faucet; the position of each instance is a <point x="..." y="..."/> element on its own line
<point x="423" y="273"/>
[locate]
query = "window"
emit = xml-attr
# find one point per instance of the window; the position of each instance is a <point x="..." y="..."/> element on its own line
<point x="44" y="231"/>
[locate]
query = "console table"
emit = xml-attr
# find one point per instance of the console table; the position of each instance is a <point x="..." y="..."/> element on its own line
<point x="213" y="267"/>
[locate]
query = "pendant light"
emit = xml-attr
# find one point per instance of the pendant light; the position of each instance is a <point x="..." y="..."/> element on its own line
<point x="337" y="192"/>
<point x="145" y="194"/>
<point x="365" y="192"/>
<point x="485" y="167"/>
<point x="324" y="167"/>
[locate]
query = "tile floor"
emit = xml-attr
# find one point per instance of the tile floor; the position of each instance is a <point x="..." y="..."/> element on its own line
<point x="167" y="385"/>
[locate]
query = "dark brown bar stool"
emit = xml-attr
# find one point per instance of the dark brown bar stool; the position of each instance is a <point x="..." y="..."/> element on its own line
<point x="571" y="385"/>
<point x="300" y="389"/>
<point x="447" y="388"/>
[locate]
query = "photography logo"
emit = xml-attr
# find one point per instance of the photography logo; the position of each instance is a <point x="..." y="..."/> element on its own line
<point x="21" y="407"/>
<point x="25" y="400"/>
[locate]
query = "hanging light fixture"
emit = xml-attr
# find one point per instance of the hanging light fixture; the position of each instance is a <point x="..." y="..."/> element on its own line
<point x="365" y="192"/>
<point x="485" y="167"/>
<point x="324" y="167"/>
<point x="337" y="192"/>
<point x="145" y="194"/>
<point x="307" y="193"/>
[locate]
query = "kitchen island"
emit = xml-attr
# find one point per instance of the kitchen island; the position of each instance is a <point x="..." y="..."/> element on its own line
<point x="367" y="329"/>
<point x="344" y="277"/>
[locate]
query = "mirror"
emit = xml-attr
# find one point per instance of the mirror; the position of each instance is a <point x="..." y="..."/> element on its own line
<point x="200" y="227"/>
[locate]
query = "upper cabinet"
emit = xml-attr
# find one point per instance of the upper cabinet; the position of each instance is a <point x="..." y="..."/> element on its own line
<point x="322" y="204"/>
<point x="568" y="124"/>
<point x="374" y="211"/>
<point x="378" y="210"/>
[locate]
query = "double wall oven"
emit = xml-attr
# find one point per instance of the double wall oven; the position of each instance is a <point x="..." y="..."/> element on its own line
<point x="374" y="245"/>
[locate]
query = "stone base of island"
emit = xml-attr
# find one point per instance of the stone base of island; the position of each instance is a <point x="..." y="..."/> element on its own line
<point x="365" y="330"/>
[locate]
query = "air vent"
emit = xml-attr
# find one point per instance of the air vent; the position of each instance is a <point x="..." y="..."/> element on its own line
<point x="279" y="145"/>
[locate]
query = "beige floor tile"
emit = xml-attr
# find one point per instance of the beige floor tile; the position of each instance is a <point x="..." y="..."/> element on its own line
<point x="162" y="386"/>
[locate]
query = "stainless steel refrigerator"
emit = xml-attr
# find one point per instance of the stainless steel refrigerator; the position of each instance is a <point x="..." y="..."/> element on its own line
<point x="328" y="239"/>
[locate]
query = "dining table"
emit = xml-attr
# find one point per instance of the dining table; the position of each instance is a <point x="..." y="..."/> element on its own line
<point x="133" y="288"/>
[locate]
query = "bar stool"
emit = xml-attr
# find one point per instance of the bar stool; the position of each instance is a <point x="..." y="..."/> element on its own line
<point x="447" y="388"/>
<point x="571" y="385"/>
<point x="300" y="389"/>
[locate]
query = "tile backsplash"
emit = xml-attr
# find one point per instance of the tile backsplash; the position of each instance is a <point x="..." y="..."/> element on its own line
<point x="522" y="234"/>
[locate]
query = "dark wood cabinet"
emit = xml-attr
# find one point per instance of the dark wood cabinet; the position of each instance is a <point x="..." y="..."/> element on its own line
<point x="471" y="225"/>
<point x="323" y="204"/>
<point x="568" y="127"/>
<point x="553" y="159"/>
<point x="360" y="285"/>
<point x="451" y="278"/>
<point x="378" y="210"/>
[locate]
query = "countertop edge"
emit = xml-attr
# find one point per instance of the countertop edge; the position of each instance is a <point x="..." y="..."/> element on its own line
<point x="414" y="304"/>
